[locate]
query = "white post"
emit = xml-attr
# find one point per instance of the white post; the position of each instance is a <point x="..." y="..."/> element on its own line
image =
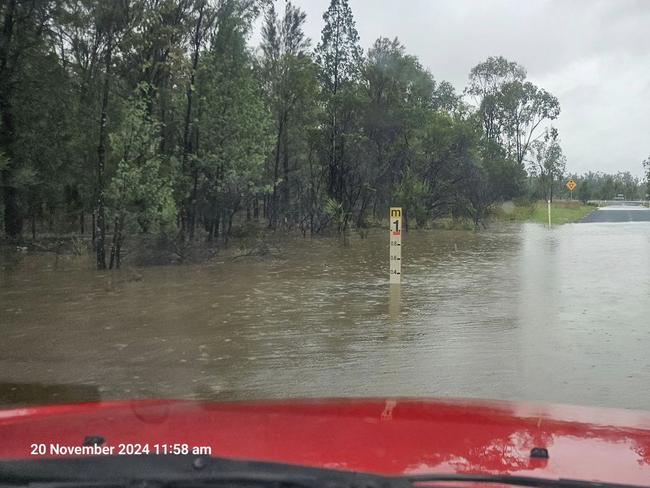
<point x="549" y="213"/>
<point x="395" y="221"/>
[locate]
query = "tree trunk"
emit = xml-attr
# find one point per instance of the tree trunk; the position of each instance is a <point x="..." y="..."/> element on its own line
<point x="230" y="222"/>
<point x="273" y="214"/>
<point x="229" y="231"/>
<point x="195" y="186"/>
<point x="193" y="197"/>
<point x="216" y="224"/>
<point x="101" y="159"/>
<point x="210" y="229"/>
<point x="224" y="233"/>
<point x="331" y="190"/>
<point x="113" y="245"/>
<point x="286" y="190"/>
<point x="50" y="219"/>
<point x="187" y="135"/>
<point x="82" y="220"/>
<point x="13" y="219"/>
<point x="116" y="246"/>
<point x="365" y="199"/>
<point x="119" y="250"/>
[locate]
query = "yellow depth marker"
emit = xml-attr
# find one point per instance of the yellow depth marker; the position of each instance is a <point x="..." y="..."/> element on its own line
<point x="395" y="219"/>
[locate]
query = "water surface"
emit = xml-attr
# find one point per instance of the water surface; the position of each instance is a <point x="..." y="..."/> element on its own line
<point x="514" y="312"/>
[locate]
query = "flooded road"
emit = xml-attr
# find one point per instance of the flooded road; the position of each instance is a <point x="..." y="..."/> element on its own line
<point x="618" y="212"/>
<point x="515" y="312"/>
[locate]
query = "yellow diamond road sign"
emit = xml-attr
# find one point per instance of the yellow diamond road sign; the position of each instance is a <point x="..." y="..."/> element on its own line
<point x="571" y="185"/>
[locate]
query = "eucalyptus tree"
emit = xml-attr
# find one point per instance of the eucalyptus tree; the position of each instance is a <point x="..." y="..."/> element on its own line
<point x="486" y="83"/>
<point x="512" y="109"/>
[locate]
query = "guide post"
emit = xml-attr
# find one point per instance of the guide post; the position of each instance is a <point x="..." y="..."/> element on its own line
<point x="395" y="219"/>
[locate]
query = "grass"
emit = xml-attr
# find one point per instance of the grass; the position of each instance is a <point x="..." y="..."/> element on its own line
<point x="562" y="212"/>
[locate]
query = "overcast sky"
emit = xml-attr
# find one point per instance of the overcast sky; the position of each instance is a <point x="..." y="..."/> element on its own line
<point x="594" y="55"/>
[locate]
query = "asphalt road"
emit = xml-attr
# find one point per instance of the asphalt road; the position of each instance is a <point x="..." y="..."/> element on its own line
<point x="618" y="212"/>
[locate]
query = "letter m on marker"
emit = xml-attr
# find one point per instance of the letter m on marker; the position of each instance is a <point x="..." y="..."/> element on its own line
<point x="395" y="212"/>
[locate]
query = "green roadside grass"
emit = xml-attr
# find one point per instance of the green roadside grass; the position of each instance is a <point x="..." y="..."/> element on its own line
<point x="562" y="212"/>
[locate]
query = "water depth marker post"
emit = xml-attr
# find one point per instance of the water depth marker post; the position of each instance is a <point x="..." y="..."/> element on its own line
<point x="395" y="218"/>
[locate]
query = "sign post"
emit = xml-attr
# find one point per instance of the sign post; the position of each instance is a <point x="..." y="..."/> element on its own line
<point x="571" y="185"/>
<point x="549" y="213"/>
<point x="395" y="219"/>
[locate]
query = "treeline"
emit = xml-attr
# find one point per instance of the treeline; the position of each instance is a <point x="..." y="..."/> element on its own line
<point x="590" y="186"/>
<point x="603" y="186"/>
<point x="124" y="117"/>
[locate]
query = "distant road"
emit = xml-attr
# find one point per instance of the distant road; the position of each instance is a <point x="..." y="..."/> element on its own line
<point x="617" y="211"/>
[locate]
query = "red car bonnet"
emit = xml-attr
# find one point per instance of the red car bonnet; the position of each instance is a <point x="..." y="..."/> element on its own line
<point x="391" y="436"/>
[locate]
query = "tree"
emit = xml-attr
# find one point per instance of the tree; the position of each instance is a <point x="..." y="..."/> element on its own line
<point x="112" y="21"/>
<point x="549" y="163"/>
<point x="584" y="190"/>
<point x="204" y="17"/>
<point x="338" y="53"/>
<point x="512" y="109"/>
<point x="524" y="107"/>
<point x="486" y="83"/>
<point x="339" y="58"/>
<point x="646" y="166"/>
<point x="603" y="186"/>
<point x="42" y="143"/>
<point x="80" y="53"/>
<point x="397" y="94"/>
<point x="491" y="176"/>
<point x="289" y="76"/>
<point x="107" y="106"/>
<point x="413" y="194"/>
<point x="154" y="57"/>
<point x="23" y="39"/>
<point x="140" y="197"/>
<point x="233" y="123"/>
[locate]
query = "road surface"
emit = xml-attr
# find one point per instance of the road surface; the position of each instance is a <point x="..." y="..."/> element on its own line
<point x="619" y="212"/>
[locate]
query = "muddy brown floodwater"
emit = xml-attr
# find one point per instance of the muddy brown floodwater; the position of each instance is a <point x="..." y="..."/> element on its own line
<point x="514" y="312"/>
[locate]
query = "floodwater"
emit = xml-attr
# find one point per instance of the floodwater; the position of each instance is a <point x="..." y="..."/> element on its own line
<point x="515" y="312"/>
